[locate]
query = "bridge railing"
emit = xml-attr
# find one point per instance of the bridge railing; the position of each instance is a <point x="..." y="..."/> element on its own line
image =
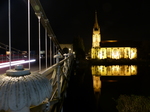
<point x="58" y="74"/>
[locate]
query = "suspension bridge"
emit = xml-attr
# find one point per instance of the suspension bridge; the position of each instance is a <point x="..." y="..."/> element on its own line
<point x="30" y="82"/>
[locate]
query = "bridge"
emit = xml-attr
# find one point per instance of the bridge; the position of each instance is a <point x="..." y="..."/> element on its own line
<point x="24" y="88"/>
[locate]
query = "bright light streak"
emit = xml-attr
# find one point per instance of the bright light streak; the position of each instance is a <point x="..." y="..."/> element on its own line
<point x="6" y="64"/>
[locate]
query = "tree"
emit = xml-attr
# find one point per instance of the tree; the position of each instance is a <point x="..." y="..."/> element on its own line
<point x="78" y="46"/>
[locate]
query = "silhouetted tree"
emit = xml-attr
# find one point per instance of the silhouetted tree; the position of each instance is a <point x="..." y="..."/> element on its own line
<point x="78" y="47"/>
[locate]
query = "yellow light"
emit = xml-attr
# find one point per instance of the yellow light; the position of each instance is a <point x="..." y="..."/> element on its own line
<point x="133" y="69"/>
<point x="114" y="53"/>
<point x="96" y="83"/>
<point x="100" y="55"/>
<point x="114" y="70"/>
<point x="111" y="41"/>
<point x="133" y="53"/>
<point x="7" y="52"/>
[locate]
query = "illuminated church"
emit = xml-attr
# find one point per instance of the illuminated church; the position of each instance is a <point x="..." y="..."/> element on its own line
<point x="114" y="51"/>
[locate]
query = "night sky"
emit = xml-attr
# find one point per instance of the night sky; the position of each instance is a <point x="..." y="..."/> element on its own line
<point x="121" y="20"/>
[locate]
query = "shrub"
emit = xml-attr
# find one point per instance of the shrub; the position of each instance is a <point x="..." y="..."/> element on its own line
<point x="133" y="103"/>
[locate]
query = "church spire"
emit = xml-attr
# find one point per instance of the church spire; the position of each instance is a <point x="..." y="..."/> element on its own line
<point x="96" y="39"/>
<point x="96" y="26"/>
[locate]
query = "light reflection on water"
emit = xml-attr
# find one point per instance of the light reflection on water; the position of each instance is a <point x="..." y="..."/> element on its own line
<point x="96" y="83"/>
<point x="113" y="70"/>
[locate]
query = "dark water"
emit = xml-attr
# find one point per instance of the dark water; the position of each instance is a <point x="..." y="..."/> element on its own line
<point x="80" y="94"/>
<point x="85" y="95"/>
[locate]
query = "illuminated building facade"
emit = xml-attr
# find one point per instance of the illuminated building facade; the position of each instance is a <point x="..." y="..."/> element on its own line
<point x="113" y="52"/>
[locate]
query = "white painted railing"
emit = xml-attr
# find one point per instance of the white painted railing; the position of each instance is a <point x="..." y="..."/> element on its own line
<point x="26" y="86"/>
<point x="58" y="75"/>
<point x="24" y="91"/>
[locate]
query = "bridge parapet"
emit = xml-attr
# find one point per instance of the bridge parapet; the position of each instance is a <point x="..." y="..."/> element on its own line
<point x="26" y="92"/>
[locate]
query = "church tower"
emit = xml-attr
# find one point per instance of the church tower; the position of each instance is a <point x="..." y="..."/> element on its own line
<point x="98" y="52"/>
<point x="96" y="37"/>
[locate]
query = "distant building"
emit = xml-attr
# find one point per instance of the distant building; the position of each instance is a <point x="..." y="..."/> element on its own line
<point x="113" y="49"/>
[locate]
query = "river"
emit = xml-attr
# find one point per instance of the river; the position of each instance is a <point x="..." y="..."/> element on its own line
<point x="96" y="88"/>
<point x="109" y="82"/>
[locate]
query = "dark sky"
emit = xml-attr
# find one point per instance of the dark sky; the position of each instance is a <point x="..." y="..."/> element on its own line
<point x="122" y="20"/>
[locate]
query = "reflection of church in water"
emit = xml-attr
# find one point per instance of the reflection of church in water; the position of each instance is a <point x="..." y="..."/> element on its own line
<point x="112" y="70"/>
<point x="110" y="48"/>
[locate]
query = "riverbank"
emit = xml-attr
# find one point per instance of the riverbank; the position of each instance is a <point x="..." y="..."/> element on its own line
<point x="118" y="62"/>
